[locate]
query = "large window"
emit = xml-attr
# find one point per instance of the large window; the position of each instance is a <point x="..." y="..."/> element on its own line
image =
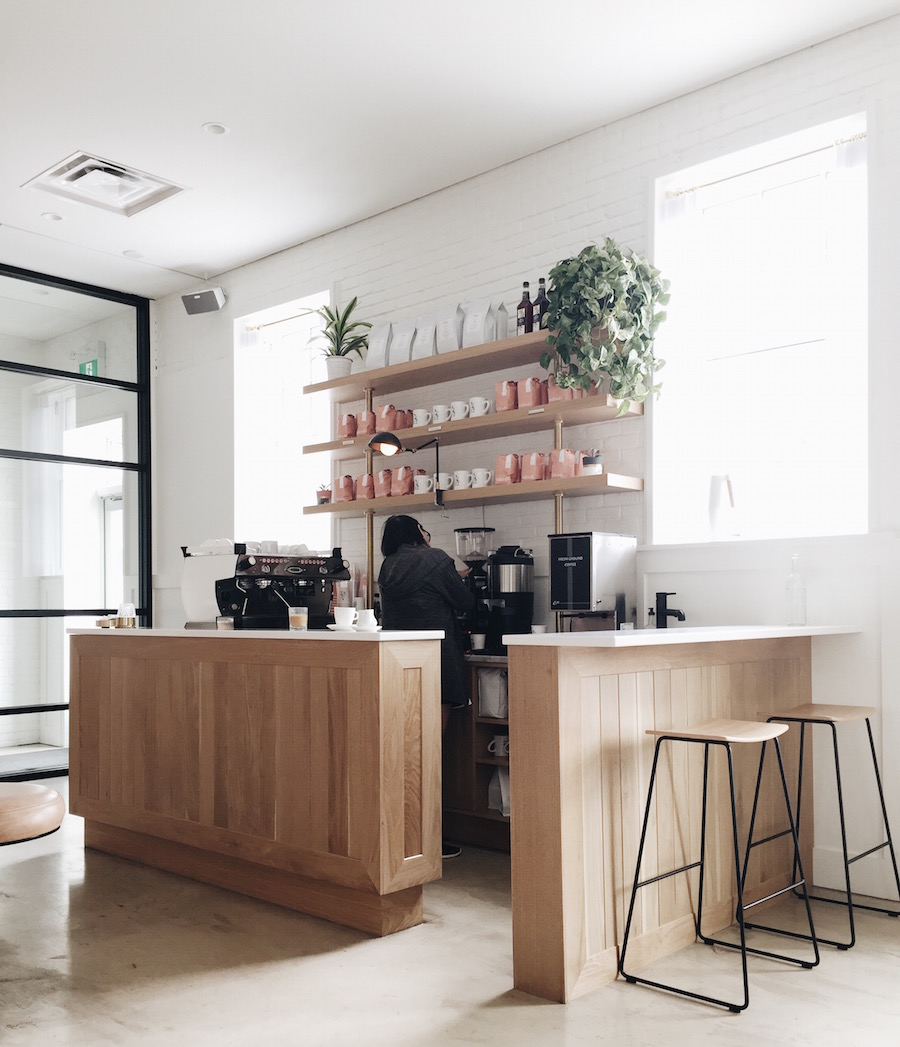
<point x="74" y="493"/>
<point x="761" y="428"/>
<point x="273" y="480"/>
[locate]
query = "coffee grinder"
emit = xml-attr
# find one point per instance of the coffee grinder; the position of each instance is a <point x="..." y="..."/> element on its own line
<point x="473" y="547"/>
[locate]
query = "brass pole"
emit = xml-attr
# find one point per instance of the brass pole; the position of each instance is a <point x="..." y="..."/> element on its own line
<point x="558" y="501"/>
<point x="370" y="525"/>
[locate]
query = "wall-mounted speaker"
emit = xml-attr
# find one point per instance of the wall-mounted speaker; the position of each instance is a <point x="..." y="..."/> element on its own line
<point x="206" y="301"/>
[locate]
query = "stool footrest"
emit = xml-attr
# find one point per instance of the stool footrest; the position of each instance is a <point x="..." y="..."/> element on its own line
<point x="666" y="875"/>
<point x="865" y="854"/>
<point x="752" y="950"/>
<point x="774" y="894"/>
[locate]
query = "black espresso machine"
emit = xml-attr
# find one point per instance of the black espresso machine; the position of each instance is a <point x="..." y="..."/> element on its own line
<point x="260" y="587"/>
<point x="502" y="583"/>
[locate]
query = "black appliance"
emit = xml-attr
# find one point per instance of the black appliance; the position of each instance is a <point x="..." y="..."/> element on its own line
<point x="473" y="547"/>
<point x="510" y="574"/>
<point x="265" y="585"/>
<point x="593" y="577"/>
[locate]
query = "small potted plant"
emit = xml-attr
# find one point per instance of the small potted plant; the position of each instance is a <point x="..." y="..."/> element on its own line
<point x="323" y="495"/>
<point x="342" y="336"/>
<point x="603" y="315"/>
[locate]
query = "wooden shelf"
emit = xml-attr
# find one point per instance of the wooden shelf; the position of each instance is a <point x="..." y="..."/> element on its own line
<point x="588" y="409"/>
<point x="533" y="490"/>
<point x="446" y="367"/>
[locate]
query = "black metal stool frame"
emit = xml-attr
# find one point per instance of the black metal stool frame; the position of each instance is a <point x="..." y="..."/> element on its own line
<point x="847" y="901"/>
<point x="740" y="875"/>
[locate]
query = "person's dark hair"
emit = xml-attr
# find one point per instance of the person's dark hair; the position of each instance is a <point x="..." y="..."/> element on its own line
<point x="400" y="530"/>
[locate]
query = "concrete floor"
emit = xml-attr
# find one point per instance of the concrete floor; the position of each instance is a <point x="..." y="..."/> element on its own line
<point x="95" y="950"/>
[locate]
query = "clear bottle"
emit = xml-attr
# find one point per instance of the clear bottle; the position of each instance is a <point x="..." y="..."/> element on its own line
<point x="525" y="312"/>
<point x="541" y="305"/>
<point x="795" y="594"/>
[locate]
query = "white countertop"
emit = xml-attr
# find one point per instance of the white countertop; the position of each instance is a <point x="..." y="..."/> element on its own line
<point x="316" y="635"/>
<point x="657" y="637"/>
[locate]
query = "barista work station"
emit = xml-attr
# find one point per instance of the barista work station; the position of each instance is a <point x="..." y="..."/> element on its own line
<point x="247" y="753"/>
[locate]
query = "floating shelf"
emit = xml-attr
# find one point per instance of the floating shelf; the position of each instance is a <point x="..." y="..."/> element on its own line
<point x="532" y="490"/>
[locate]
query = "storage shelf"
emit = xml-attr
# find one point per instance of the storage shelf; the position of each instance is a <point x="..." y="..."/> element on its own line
<point x="600" y="408"/>
<point x="493" y="761"/>
<point x="532" y="490"/>
<point x="445" y="367"/>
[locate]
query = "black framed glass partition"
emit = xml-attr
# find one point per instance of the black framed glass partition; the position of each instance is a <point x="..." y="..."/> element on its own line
<point x="74" y="493"/>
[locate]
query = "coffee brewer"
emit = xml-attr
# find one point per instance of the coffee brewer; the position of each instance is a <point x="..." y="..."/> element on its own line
<point x="510" y="573"/>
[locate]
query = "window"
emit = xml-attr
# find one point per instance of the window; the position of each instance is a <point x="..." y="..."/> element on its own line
<point x="273" y="479"/>
<point x="761" y="427"/>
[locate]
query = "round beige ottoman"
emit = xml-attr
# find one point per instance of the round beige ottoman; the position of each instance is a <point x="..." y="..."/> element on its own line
<point x="28" y="810"/>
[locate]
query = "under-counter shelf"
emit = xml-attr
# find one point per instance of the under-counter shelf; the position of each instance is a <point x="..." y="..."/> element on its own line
<point x="531" y="490"/>
<point x="599" y="408"/>
<point x="445" y="367"/>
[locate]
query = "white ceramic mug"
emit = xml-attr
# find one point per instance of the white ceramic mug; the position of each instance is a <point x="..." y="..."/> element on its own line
<point x="421" y="417"/>
<point x="462" y="480"/>
<point x="482" y="477"/>
<point x="478" y="641"/>
<point x="423" y="484"/>
<point x="499" y="746"/>
<point x="366" y="621"/>
<point x="443" y="481"/>
<point x="345" y="617"/>
<point x="459" y="409"/>
<point x="440" y="413"/>
<point x="478" y="406"/>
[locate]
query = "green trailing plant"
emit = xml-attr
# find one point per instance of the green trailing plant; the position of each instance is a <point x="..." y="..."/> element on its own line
<point x="603" y="315"/>
<point x="342" y="335"/>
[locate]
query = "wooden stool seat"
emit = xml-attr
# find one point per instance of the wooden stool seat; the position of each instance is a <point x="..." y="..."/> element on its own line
<point x="735" y="731"/>
<point x="28" y="811"/>
<point x="828" y="713"/>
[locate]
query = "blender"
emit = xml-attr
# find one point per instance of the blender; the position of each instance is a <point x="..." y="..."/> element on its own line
<point x="473" y="547"/>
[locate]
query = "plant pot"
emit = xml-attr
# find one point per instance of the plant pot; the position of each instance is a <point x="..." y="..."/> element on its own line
<point x="323" y="497"/>
<point x="338" y="366"/>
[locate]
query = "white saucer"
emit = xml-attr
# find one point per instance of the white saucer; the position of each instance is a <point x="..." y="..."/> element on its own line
<point x="352" y="629"/>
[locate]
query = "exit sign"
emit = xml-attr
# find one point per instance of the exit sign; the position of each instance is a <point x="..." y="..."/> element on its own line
<point x="90" y="367"/>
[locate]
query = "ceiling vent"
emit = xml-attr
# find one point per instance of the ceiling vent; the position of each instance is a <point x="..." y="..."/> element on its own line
<point x="111" y="187"/>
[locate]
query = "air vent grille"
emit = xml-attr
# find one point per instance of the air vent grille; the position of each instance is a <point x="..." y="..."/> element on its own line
<point x="100" y="183"/>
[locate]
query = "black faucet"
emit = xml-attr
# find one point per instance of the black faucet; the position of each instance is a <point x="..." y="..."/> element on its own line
<point x="663" y="613"/>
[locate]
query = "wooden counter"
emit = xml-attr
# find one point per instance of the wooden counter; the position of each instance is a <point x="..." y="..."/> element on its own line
<point x="579" y="705"/>
<point x="303" y="769"/>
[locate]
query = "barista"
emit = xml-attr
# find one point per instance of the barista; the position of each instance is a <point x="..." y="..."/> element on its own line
<point x="421" y="589"/>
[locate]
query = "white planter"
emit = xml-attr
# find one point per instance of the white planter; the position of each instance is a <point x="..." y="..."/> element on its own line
<point x="338" y="366"/>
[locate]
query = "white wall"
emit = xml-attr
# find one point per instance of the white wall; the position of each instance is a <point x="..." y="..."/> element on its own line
<point x="486" y="235"/>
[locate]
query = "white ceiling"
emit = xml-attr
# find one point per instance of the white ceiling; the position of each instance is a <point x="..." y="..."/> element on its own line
<point x="336" y="109"/>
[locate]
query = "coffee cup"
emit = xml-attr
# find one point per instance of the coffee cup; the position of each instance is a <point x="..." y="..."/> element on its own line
<point x="421" y="417"/>
<point x="423" y="484"/>
<point x="478" y="407"/>
<point x="459" y="409"/>
<point x="478" y="641"/>
<point x="443" y="481"/>
<point x="366" y="621"/>
<point x="539" y="630"/>
<point x="482" y="477"/>
<point x="499" y="745"/>
<point x="344" y="617"/>
<point x="462" y="480"/>
<point x="441" y="413"/>
<point x="298" y="618"/>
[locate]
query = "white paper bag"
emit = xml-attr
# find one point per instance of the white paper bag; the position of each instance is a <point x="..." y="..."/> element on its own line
<point x="492" y="693"/>
<point x="379" y="341"/>
<point x="478" y="326"/>
<point x="423" y="346"/>
<point x="401" y="342"/>
<point x="498" y="791"/>
<point x="449" y="328"/>
<point x="501" y="322"/>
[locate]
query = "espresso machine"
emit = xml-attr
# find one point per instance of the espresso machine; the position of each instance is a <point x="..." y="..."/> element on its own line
<point x="473" y="547"/>
<point x="255" y="590"/>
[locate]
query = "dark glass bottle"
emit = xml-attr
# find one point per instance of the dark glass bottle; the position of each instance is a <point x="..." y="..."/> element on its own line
<point x="525" y="312"/>
<point x="541" y="305"/>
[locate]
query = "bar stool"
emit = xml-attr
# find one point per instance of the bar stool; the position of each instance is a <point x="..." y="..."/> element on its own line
<point x="724" y="733"/>
<point x="27" y="811"/>
<point x="829" y="716"/>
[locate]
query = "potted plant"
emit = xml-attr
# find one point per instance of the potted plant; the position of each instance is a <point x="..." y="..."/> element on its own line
<point x="323" y="495"/>
<point x="343" y="336"/>
<point x="603" y="315"/>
